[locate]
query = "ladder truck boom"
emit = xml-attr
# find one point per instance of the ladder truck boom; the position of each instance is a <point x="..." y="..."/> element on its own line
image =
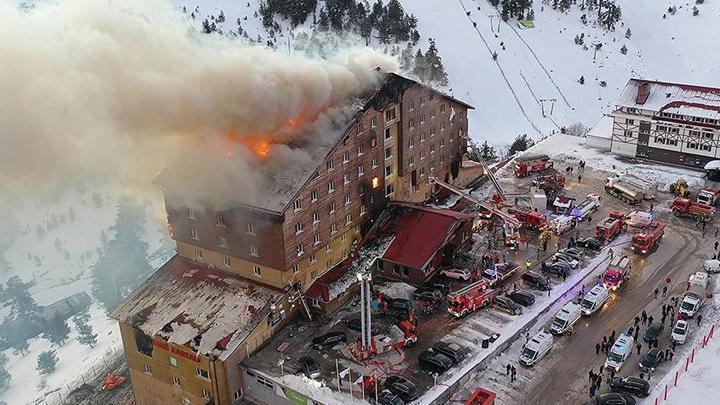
<point x="482" y="204"/>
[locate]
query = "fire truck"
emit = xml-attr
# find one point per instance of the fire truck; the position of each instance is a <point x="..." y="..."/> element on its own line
<point x="683" y="207"/>
<point x="590" y="204"/>
<point x="526" y="165"/>
<point x="611" y="226"/>
<point x="531" y="220"/>
<point x="481" y="396"/>
<point x="647" y="240"/>
<point x="708" y="196"/>
<point x="470" y="298"/>
<point x="554" y="181"/>
<point x="616" y="272"/>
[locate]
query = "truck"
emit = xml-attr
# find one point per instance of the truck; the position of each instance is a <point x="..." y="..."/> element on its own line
<point x="708" y="196"/>
<point x="531" y="220"/>
<point x="398" y="336"/>
<point x="626" y="192"/>
<point x="470" y="298"/>
<point x="692" y="301"/>
<point x="510" y="235"/>
<point x="611" y="226"/>
<point x="616" y="272"/>
<point x="684" y="207"/>
<point x="554" y="181"/>
<point x="526" y="165"/>
<point x="647" y="240"/>
<point x="590" y="204"/>
<point x="481" y="396"/>
<point x="648" y="188"/>
<point x="562" y="223"/>
<point x="500" y="272"/>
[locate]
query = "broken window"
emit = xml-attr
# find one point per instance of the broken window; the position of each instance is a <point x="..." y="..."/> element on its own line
<point x="143" y="343"/>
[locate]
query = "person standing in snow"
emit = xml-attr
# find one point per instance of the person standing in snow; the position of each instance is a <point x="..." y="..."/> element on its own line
<point x="513" y="374"/>
<point x="507" y="369"/>
<point x="592" y="390"/>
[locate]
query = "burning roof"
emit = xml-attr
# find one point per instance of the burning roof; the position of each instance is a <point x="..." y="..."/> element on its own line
<point x="187" y="304"/>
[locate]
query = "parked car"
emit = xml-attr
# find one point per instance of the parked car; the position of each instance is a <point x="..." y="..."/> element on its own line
<point x="651" y="360"/>
<point x="428" y="294"/>
<point x="309" y="367"/>
<point x="355" y="323"/>
<point x="329" y="339"/>
<point x="562" y="257"/>
<point x="653" y="332"/>
<point x="575" y="253"/>
<point x="537" y="281"/>
<point x="557" y="268"/>
<point x="589" y="244"/>
<point x="522" y="297"/>
<point x="399" y="304"/>
<point x="453" y="351"/>
<point x="712" y="266"/>
<point x="442" y="287"/>
<point x="402" y="387"/>
<point x="614" y="398"/>
<point x="505" y="304"/>
<point x="457" y="274"/>
<point x="680" y="332"/>
<point x="388" y="398"/>
<point x="434" y="362"/>
<point x="630" y="385"/>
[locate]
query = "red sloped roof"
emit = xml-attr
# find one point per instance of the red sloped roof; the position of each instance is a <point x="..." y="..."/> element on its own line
<point x="419" y="233"/>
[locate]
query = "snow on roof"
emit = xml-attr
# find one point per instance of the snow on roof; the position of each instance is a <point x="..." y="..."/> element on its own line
<point x="365" y="259"/>
<point x="188" y="304"/>
<point x="660" y="95"/>
<point x="712" y="165"/>
<point x="603" y="128"/>
<point x="419" y="233"/>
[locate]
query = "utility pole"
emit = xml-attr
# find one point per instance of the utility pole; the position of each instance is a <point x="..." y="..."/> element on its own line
<point x="542" y="105"/>
<point x="596" y="46"/>
<point x="491" y="22"/>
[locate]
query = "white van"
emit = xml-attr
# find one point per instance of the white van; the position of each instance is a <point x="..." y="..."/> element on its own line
<point x="565" y="318"/>
<point x="535" y="349"/>
<point x="700" y="278"/>
<point x="712" y="266"/>
<point x="619" y="352"/>
<point x="595" y="299"/>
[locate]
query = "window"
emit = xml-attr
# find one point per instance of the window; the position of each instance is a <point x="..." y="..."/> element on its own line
<point x="374" y="163"/>
<point x="173" y="361"/>
<point x="147" y="369"/>
<point x="223" y="242"/>
<point x="375" y="183"/>
<point x="348" y="219"/>
<point x="346" y="157"/>
<point x="333" y="228"/>
<point x="331" y="186"/>
<point x="442" y="108"/>
<point x="361" y="149"/>
<point x="363" y="210"/>
<point x="401" y="271"/>
<point x="388" y="152"/>
<point x="328" y="248"/>
<point x="411" y="123"/>
<point x="313" y="259"/>
<point x="388" y="171"/>
<point x="316" y="239"/>
<point x="389" y="190"/>
<point x="300" y="249"/>
<point x="672" y="142"/>
<point x="442" y="158"/>
<point x="412" y="105"/>
<point x="390" y="115"/>
<point x="220" y="221"/>
<point x="411" y="161"/>
<point x="630" y="122"/>
<point x="176" y="381"/>
<point x="198" y="253"/>
<point x="422" y="100"/>
<point x="360" y="127"/>
<point x="361" y="170"/>
<point x="343" y="237"/>
<point x="373" y="122"/>
<point x="346" y="178"/>
<point x="373" y="142"/>
<point x="631" y="110"/>
<point x="422" y="154"/>
<point x="332" y="207"/>
<point x="388" y="134"/>
<point x="442" y="143"/>
<point x="330" y="165"/>
<point x="257" y="271"/>
<point x="348" y="199"/>
<point x="442" y="126"/>
<point x="253" y="250"/>
<point x="194" y="234"/>
<point x="251" y="229"/>
<point x="226" y="261"/>
<point x="628" y="133"/>
<point x="411" y="143"/>
<point x="298" y="228"/>
<point x="238" y="394"/>
<point x="206" y="394"/>
<point x="422" y="119"/>
<point x="316" y="217"/>
<point x="422" y="137"/>
<point x="433" y="130"/>
<point x="661" y="128"/>
<point x="432" y="113"/>
<point x="313" y="196"/>
<point x="706" y="148"/>
<point x="202" y="373"/>
<point x="345" y="140"/>
<point x="297" y="205"/>
<point x="691" y="145"/>
<point x="328" y="264"/>
<point x="191" y="213"/>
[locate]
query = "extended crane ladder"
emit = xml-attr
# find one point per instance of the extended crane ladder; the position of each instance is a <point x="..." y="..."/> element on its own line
<point x="507" y="217"/>
<point x="468" y="288"/>
<point x="492" y="178"/>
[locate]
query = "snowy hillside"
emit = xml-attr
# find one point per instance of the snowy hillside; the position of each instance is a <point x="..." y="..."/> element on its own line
<point x="542" y="63"/>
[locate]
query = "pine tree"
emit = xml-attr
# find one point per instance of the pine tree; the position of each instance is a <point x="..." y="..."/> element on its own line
<point x="57" y="331"/>
<point x="521" y="143"/>
<point x="582" y="80"/>
<point x="5" y="377"/>
<point x="610" y="16"/>
<point x="46" y="362"/>
<point x="628" y="33"/>
<point x="21" y="303"/>
<point x="85" y="331"/>
<point x="323" y="21"/>
<point x="433" y="62"/>
<point x="624" y="50"/>
<point x="220" y="18"/>
<point x="487" y="152"/>
<point x="420" y="70"/>
<point x="494" y="3"/>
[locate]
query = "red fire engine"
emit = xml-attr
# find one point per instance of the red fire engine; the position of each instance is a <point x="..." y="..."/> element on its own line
<point x="552" y="181"/>
<point x="647" y="240"/>
<point x="526" y="165"/>
<point x="683" y="207"/>
<point x="616" y="272"/>
<point x="481" y="396"/>
<point x="471" y="298"/>
<point x="611" y="226"/>
<point x="531" y="220"/>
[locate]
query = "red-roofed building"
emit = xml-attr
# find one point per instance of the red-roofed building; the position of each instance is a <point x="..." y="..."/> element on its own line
<point x="423" y="238"/>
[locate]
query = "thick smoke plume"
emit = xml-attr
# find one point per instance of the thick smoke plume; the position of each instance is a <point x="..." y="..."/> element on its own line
<point x="122" y="87"/>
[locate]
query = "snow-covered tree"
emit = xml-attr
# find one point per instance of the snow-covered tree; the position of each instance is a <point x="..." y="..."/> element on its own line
<point x="86" y="335"/>
<point x="46" y="362"/>
<point x="610" y="15"/>
<point x="521" y="143"/>
<point x="436" y="70"/>
<point x="5" y="377"/>
<point x="581" y="80"/>
<point x="628" y="33"/>
<point x="624" y="50"/>
<point x="57" y="331"/>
